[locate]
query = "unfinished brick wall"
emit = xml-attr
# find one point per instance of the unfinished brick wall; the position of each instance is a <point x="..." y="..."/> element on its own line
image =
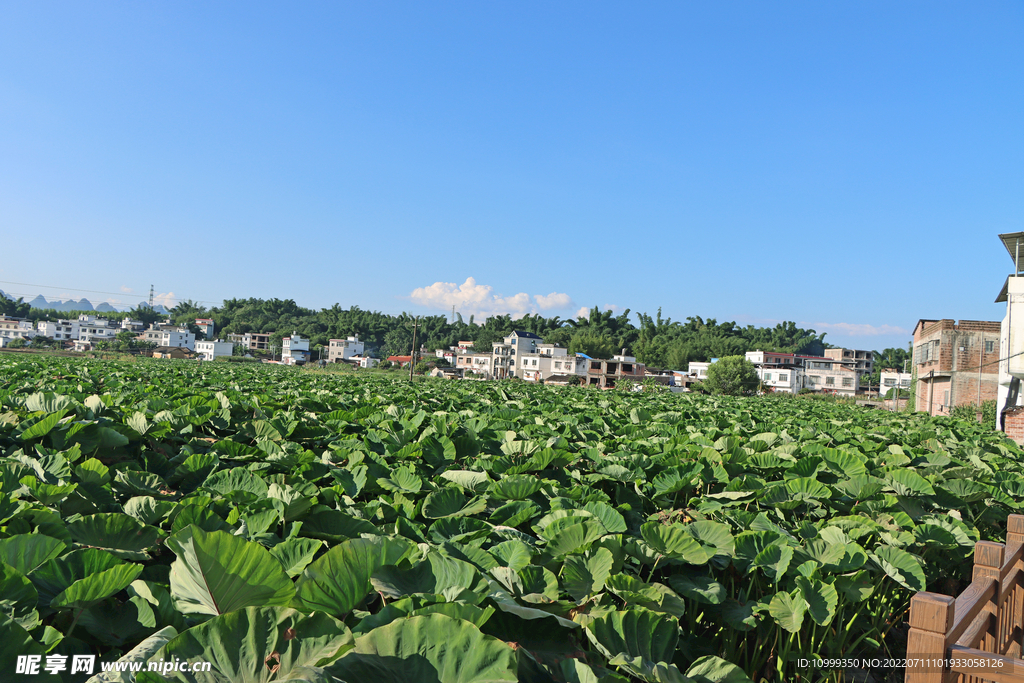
<point x="1015" y="424"/>
<point x="958" y="366"/>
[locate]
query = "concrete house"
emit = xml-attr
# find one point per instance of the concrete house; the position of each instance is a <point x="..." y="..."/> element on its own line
<point x="294" y="350"/>
<point x="955" y="363"/>
<point x="210" y="349"/>
<point x="343" y="349"/>
<point x="505" y="354"/>
<point x="604" y="374"/>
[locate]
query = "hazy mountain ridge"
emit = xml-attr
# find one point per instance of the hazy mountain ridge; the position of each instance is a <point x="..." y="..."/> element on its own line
<point x="81" y="305"/>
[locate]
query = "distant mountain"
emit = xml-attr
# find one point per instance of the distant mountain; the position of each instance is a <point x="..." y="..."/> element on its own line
<point x="81" y="305"/>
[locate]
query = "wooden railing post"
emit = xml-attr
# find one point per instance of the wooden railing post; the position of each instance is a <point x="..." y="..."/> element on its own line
<point x="988" y="561"/>
<point x="931" y="618"/>
<point x="1015" y="538"/>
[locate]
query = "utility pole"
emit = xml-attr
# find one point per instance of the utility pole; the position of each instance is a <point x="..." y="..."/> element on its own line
<point x="412" y="358"/>
<point x="151" y="297"/>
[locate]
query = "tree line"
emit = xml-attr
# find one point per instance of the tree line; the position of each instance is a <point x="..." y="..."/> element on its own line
<point x="655" y="340"/>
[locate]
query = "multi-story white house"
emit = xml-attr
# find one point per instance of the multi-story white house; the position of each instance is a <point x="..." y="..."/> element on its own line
<point x="822" y="373"/>
<point x="206" y="325"/>
<point x="505" y="354"/>
<point x="166" y="335"/>
<point x="478" y="363"/>
<point x="59" y="330"/>
<point x="210" y="349"/>
<point x="92" y="329"/>
<point x="16" y="329"/>
<point x="343" y="349"/>
<point x="294" y="350"/>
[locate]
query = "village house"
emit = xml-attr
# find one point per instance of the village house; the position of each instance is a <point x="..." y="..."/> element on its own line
<point x="211" y="349"/>
<point x="343" y="349"/>
<point x="605" y="374"/>
<point x="955" y="363"/>
<point x="294" y="350"/>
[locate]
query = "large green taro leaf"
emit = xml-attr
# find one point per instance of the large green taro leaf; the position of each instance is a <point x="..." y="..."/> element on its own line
<point x="515" y="487"/>
<point x="583" y="576"/>
<point x="115" y="532"/>
<point x="56" y="575"/>
<point x="449" y="502"/>
<point x="901" y="566"/>
<point x="217" y="572"/>
<point x="637" y="639"/>
<point x="436" y="574"/>
<point x="337" y="582"/>
<point x="258" y="645"/>
<point x="95" y="587"/>
<point x="428" y="649"/>
<point x="25" y="552"/>
<point x="674" y="541"/>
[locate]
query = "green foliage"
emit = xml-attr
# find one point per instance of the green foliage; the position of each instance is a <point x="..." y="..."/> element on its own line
<point x="969" y="411"/>
<point x="731" y="376"/>
<point x="313" y="526"/>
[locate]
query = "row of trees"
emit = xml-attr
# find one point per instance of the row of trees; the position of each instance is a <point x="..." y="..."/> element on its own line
<point x="654" y="340"/>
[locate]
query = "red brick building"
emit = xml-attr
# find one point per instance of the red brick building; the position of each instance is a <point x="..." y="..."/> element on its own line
<point x="953" y="363"/>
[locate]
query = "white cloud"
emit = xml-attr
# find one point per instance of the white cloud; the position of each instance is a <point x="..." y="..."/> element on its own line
<point x="858" y="329"/>
<point x="470" y="298"/>
<point x="553" y="300"/>
<point x="612" y="307"/>
<point x="584" y="312"/>
<point x="126" y="290"/>
<point x="167" y="300"/>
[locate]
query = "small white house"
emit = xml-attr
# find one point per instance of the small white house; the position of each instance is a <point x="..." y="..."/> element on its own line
<point x="208" y="350"/>
<point x="294" y="350"/>
<point x="782" y="379"/>
<point x="343" y="349"/>
<point x="167" y="335"/>
<point x="889" y="378"/>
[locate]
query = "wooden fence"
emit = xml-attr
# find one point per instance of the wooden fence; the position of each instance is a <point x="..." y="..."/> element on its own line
<point x="976" y="636"/>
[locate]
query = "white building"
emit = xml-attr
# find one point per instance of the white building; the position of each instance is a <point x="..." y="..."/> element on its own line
<point x="364" y="361"/>
<point x="479" y="363"/>
<point x="699" y="369"/>
<point x="132" y="325"/>
<point x="829" y="375"/>
<point x="342" y="349"/>
<point x="294" y="350"/>
<point x="58" y="330"/>
<point x="92" y="329"/>
<point x="505" y="354"/>
<point x="166" y="335"/>
<point x="16" y="329"/>
<point x="1011" y="338"/>
<point x="782" y="379"/>
<point x="889" y="378"/>
<point x="208" y="350"/>
<point x="207" y="327"/>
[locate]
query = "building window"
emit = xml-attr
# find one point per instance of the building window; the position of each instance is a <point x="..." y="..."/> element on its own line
<point x="847" y="381"/>
<point x="990" y="346"/>
<point x="783" y="377"/>
<point x="767" y="376"/>
<point x="830" y="380"/>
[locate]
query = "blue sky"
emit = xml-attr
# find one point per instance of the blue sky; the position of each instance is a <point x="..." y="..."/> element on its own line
<point x="845" y="165"/>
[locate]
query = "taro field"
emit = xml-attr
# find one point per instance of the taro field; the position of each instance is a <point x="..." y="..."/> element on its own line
<point x="295" y="525"/>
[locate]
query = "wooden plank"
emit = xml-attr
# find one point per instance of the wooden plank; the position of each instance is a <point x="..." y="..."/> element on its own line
<point x="1001" y="669"/>
<point x="981" y="625"/>
<point x="969" y="605"/>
